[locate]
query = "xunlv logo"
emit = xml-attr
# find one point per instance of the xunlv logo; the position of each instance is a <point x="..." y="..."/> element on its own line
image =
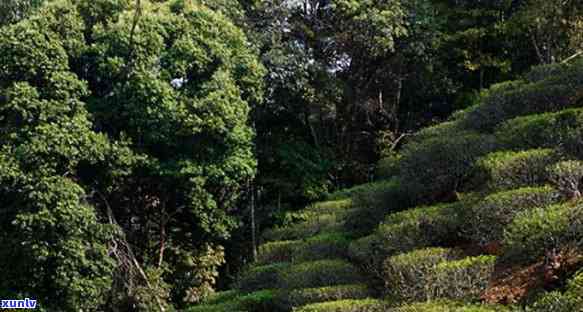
<point x="18" y="304"/>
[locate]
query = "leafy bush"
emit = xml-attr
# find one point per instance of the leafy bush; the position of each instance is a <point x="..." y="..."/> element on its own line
<point x="448" y="306"/>
<point x="260" y="301"/>
<point x="280" y="251"/>
<point x="362" y="188"/>
<point x="405" y="231"/>
<point x="221" y="297"/>
<point x="556" y="92"/>
<point x="261" y="277"/>
<point x="567" y="176"/>
<point x="534" y="232"/>
<point x="323" y="246"/>
<point x="547" y="130"/>
<point x="364" y="305"/>
<point x="436" y="168"/>
<point x="463" y="279"/>
<point x="388" y="167"/>
<point x="300" y="297"/>
<point x="408" y="276"/>
<point x="509" y="170"/>
<point x="556" y="301"/>
<point x="372" y="204"/>
<point x="319" y="274"/>
<point x="487" y="219"/>
<point x="314" y="225"/>
<point x="332" y="206"/>
<point x="428" y="274"/>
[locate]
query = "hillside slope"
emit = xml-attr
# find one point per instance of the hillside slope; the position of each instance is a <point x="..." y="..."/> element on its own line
<point x="480" y="213"/>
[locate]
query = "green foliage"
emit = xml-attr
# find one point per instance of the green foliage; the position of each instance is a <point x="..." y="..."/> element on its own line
<point x="557" y="301"/>
<point x="322" y="246"/>
<point x="510" y="170"/>
<point x="261" y="277"/>
<point x="537" y="231"/>
<point x="373" y="202"/>
<point x="436" y="168"/>
<point x="314" y="225"/>
<point x="363" y="305"/>
<point x="260" y="301"/>
<point x="300" y="297"/>
<point x="567" y="176"/>
<point x="331" y="206"/>
<point x="513" y="99"/>
<point x="409" y="276"/>
<point x="488" y="218"/>
<point x="449" y="306"/>
<point x="428" y="274"/>
<point x="388" y="167"/>
<point x="319" y="274"/>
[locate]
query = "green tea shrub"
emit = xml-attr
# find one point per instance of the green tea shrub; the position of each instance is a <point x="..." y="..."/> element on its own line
<point x="323" y="246"/>
<point x="363" y="305"/>
<point x="534" y="232"/>
<point x="409" y="276"/>
<point x="449" y="306"/>
<point x="556" y="301"/>
<point x="221" y="297"/>
<point x="259" y="301"/>
<point x="319" y="274"/>
<point x="420" y="227"/>
<point x="547" y="130"/>
<point x="314" y="225"/>
<point x="463" y="279"/>
<point x="372" y="205"/>
<point x="261" y="277"/>
<point x="368" y="254"/>
<point x="428" y="274"/>
<point x="388" y="167"/>
<point x="558" y="91"/>
<point x="332" y="206"/>
<point x="280" y="251"/>
<point x="436" y="168"/>
<point x="301" y="297"/>
<point x="350" y="192"/>
<point x="567" y="176"/>
<point x="487" y="219"/>
<point x="509" y="170"/>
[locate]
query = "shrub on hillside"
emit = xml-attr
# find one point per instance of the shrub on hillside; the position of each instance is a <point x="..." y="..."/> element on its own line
<point x="535" y="232"/>
<point x="449" y="306"/>
<point x="548" y="130"/>
<point x="567" y="176"/>
<point x="323" y="246"/>
<point x="388" y="167"/>
<point x="261" y="277"/>
<point x="260" y="301"/>
<point x="436" y="168"/>
<point x="510" y="170"/>
<point x="429" y="274"/>
<point x="409" y="276"/>
<point x="371" y="205"/>
<point x="319" y="274"/>
<point x="463" y="279"/>
<point x="280" y="251"/>
<point x="350" y="192"/>
<point x="332" y="206"/>
<point x="487" y="219"/>
<point x="556" y="301"/>
<point x="363" y="305"/>
<point x="300" y="297"/>
<point x="558" y="91"/>
<point x="314" y="225"/>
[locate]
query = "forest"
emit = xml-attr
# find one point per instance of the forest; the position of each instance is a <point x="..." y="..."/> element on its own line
<point x="291" y="155"/>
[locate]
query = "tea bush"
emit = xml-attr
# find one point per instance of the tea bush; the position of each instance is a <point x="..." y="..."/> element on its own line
<point x="436" y="168"/>
<point x="510" y="170"/>
<point x="449" y="306"/>
<point x="364" y="305"/>
<point x="567" y="176"/>
<point x="409" y="276"/>
<point x="314" y="225"/>
<point x="487" y="219"/>
<point x="280" y="251"/>
<point x="300" y="297"/>
<point x="463" y="279"/>
<point x="260" y="301"/>
<point x="261" y="277"/>
<point x="536" y="231"/>
<point x="319" y="274"/>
